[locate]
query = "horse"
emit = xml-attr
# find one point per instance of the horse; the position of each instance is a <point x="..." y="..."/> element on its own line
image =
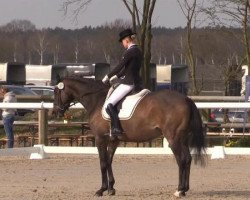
<point x="163" y="113"/>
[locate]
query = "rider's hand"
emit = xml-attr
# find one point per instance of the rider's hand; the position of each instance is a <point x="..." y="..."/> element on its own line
<point x="113" y="79"/>
<point x="105" y="80"/>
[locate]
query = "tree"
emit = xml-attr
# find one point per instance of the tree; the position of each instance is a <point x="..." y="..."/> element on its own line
<point x="141" y="24"/>
<point x="76" y="49"/>
<point x="55" y="47"/>
<point x="18" y="25"/>
<point x="112" y="49"/>
<point x="233" y="13"/>
<point x="189" y="9"/>
<point x="41" y="44"/>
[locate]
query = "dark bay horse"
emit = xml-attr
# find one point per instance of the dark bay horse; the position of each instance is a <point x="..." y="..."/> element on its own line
<point x="164" y="113"/>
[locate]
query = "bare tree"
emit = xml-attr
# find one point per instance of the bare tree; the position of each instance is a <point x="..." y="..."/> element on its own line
<point x="189" y="9"/>
<point x="112" y="50"/>
<point x="15" y="51"/>
<point x="76" y="49"/>
<point x="233" y="13"/>
<point x="54" y="47"/>
<point x="76" y="5"/>
<point x="230" y="71"/>
<point x="141" y="24"/>
<point x="56" y="53"/>
<point x="41" y="45"/>
<point x="18" y="25"/>
<point x="90" y="49"/>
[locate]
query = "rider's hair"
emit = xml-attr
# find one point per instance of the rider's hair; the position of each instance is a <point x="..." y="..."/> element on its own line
<point x="132" y="38"/>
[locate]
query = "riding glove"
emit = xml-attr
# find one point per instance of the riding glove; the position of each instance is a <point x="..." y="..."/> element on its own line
<point x="105" y="80"/>
<point x="113" y="79"/>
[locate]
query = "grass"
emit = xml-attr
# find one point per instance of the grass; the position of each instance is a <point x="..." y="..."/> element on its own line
<point x="241" y="142"/>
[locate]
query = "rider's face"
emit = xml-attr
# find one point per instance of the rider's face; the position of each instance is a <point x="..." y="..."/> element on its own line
<point x="125" y="43"/>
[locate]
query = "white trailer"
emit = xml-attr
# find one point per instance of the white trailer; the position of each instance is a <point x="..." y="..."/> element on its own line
<point x="44" y="74"/>
<point x="174" y="77"/>
<point x="90" y="70"/>
<point x="49" y="74"/>
<point x="12" y="73"/>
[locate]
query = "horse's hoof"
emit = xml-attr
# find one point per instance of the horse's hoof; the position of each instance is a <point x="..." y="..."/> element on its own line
<point x="120" y="137"/>
<point x="111" y="192"/>
<point x="113" y="138"/>
<point x="99" y="193"/>
<point x="179" y="194"/>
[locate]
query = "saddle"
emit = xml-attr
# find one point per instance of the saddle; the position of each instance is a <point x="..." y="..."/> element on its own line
<point x="127" y="105"/>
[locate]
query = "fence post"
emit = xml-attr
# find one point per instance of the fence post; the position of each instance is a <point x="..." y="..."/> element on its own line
<point x="43" y="126"/>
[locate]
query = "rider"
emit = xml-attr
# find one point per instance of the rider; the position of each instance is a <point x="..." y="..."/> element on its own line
<point x="127" y="73"/>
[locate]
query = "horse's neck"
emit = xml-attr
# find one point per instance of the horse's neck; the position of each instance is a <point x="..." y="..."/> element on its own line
<point x="92" y="99"/>
<point x="93" y="102"/>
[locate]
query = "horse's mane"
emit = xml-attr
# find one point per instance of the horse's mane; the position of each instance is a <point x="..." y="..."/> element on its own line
<point x="94" y="83"/>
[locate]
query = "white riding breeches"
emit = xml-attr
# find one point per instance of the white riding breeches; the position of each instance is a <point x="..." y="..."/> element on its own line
<point x="118" y="94"/>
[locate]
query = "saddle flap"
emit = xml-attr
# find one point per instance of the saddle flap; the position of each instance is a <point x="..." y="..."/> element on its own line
<point x="128" y="105"/>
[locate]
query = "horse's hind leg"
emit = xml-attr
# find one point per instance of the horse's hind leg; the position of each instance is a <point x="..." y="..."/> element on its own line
<point x="183" y="158"/>
<point x="111" y="151"/>
<point x="188" y="158"/>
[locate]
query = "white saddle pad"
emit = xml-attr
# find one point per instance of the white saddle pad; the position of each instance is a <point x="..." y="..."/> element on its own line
<point x="128" y="105"/>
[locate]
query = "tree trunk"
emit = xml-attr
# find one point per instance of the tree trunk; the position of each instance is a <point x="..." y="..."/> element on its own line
<point x="41" y="60"/>
<point x="245" y="33"/>
<point x="144" y="35"/>
<point x="191" y="61"/>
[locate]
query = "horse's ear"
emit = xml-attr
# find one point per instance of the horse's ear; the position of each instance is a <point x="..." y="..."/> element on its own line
<point x="60" y="86"/>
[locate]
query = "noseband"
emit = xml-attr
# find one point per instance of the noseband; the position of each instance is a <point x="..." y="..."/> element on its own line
<point x="59" y="100"/>
<point x="68" y="105"/>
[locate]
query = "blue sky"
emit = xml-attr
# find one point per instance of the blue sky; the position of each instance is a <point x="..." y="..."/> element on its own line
<point x="46" y="13"/>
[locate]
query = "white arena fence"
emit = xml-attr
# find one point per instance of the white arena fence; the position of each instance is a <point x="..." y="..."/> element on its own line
<point x="41" y="151"/>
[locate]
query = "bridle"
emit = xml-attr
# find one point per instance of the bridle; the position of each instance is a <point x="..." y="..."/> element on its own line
<point x="59" y="100"/>
<point x="63" y="108"/>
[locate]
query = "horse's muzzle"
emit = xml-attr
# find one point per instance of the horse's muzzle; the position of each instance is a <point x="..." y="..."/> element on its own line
<point x="57" y="113"/>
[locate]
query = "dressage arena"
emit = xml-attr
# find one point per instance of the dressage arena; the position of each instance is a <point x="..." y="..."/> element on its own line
<point x="67" y="177"/>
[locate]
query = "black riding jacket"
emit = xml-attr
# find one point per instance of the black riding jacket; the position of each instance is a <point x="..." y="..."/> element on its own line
<point x="128" y="70"/>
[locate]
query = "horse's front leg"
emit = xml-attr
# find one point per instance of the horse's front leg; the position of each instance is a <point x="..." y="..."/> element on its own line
<point x="111" y="151"/>
<point x="102" y="144"/>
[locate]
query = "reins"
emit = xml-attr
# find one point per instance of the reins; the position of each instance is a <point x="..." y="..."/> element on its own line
<point x="65" y="107"/>
<point x="80" y="96"/>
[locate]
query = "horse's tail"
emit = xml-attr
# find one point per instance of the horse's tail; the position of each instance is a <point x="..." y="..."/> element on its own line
<point x="197" y="133"/>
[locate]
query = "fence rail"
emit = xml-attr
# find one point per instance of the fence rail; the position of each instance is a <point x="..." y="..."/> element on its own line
<point x="32" y="98"/>
<point x="200" y="105"/>
<point x="43" y="124"/>
<point x="218" y="98"/>
<point x="39" y="98"/>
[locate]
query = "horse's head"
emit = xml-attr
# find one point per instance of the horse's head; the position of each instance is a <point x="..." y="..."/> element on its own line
<point x="62" y="99"/>
<point x="84" y="90"/>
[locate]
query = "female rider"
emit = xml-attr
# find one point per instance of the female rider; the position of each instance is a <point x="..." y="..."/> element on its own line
<point x="128" y="74"/>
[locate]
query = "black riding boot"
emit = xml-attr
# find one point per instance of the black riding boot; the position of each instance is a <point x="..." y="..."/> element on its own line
<point x="116" y="128"/>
